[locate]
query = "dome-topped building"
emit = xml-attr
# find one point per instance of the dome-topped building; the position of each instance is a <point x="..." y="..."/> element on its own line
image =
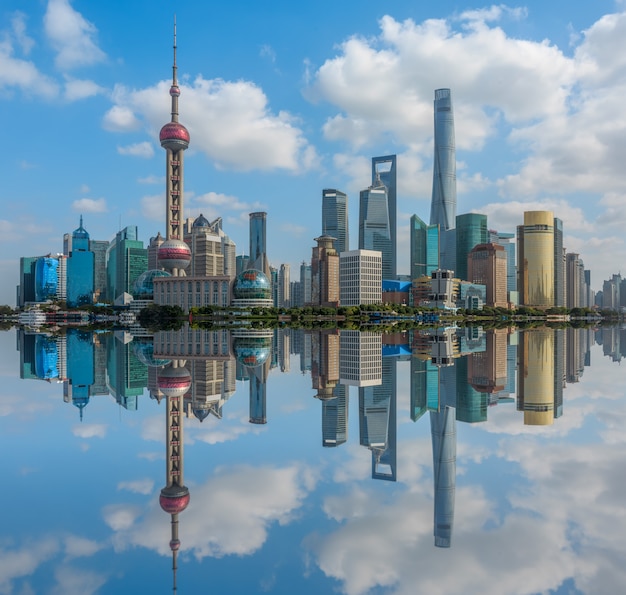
<point x="252" y="288"/>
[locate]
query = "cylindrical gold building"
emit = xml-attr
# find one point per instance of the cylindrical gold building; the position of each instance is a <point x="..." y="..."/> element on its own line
<point x="535" y="259"/>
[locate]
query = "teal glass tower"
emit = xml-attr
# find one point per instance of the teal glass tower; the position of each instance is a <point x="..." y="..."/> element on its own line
<point x="335" y="218"/>
<point x="126" y="260"/>
<point x="471" y="230"/>
<point x="424" y="248"/>
<point x="443" y="204"/>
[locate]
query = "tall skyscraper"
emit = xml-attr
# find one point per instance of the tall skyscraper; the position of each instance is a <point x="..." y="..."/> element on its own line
<point x="80" y="269"/>
<point x="443" y="204"/>
<point x="384" y="169"/>
<point x="374" y="225"/>
<point x="560" y="297"/>
<point x="424" y="248"/>
<point x="535" y="258"/>
<point x="258" y="243"/>
<point x="174" y="254"/>
<point x="471" y="230"/>
<point x="325" y="273"/>
<point x="504" y="239"/>
<point x="488" y="266"/>
<point x="335" y="218"/>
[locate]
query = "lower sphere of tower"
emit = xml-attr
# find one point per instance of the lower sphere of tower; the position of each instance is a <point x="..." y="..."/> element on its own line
<point x="174" y="254"/>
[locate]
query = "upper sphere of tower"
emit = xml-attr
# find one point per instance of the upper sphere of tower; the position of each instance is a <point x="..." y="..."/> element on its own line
<point x="174" y="91"/>
<point x="174" y="136"/>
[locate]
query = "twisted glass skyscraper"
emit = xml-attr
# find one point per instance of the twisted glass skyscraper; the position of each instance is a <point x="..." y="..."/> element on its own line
<point x="443" y="204"/>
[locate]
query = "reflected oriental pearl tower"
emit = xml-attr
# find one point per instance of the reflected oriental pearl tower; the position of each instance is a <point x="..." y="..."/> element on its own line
<point x="174" y="253"/>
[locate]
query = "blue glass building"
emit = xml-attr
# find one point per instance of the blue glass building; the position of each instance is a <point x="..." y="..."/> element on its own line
<point x="46" y="278"/>
<point x="443" y="203"/>
<point x="80" y="269"/>
<point x="384" y="169"/>
<point x="374" y="227"/>
<point x="471" y="230"/>
<point x="335" y="218"/>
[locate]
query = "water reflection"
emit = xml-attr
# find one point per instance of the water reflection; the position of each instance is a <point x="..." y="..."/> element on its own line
<point x="454" y="375"/>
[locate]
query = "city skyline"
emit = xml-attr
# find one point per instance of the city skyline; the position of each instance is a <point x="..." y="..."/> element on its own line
<point x="293" y="119"/>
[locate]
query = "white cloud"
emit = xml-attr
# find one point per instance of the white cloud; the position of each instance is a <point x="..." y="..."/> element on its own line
<point x="249" y="500"/>
<point x="120" y="119"/>
<point x="71" y="35"/>
<point x="152" y="180"/>
<point x="77" y="581"/>
<point x="76" y="89"/>
<point x="138" y="486"/>
<point x="120" y="517"/>
<point x="22" y="562"/>
<point x="230" y="122"/>
<point x="90" y="430"/>
<point x="293" y="229"/>
<point x="18" y="23"/>
<point x="90" y="205"/>
<point x="152" y="207"/>
<point x="16" y="73"/>
<point x="144" y="150"/>
<point x="79" y="547"/>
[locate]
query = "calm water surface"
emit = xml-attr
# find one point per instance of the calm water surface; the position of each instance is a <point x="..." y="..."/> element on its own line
<point x="455" y="461"/>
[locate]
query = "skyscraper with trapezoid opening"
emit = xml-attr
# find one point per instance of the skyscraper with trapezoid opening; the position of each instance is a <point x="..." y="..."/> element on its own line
<point x="443" y="204"/>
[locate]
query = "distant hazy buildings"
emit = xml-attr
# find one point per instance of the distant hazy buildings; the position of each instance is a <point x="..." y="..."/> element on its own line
<point x="335" y="218"/>
<point x="443" y="204"/>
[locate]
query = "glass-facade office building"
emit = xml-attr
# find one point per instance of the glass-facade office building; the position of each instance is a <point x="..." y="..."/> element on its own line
<point x="424" y="248"/>
<point x="335" y="218"/>
<point x="443" y="203"/>
<point x="471" y="230"/>
<point x="374" y="229"/>
<point x="384" y="169"/>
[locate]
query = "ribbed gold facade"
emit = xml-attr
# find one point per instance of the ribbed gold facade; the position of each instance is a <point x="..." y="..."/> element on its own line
<point x="536" y="259"/>
<point x="536" y="377"/>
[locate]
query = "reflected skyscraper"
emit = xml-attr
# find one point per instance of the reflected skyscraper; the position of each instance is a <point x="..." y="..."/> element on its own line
<point x="536" y="377"/>
<point x="80" y="269"/>
<point x="174" y="382"/>
<point x="443" y="203"/>
<point x="384" y="169"/>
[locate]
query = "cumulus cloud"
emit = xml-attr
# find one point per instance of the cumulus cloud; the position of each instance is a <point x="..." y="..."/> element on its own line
<point x="76" y="89"/>
<point x="18" y="24"/>
<point x="120" y="119"/>
<point x="16" y="73"/>
<point x="144" y="149"/>
<point x="249" y="500"/>
<point x="78" y="547"/>
<point x="24" y="561"/>
<point x="138" y="486"/>
<point x="90" y="430"/>
<point x="230" y="122"/>
<point x="71" y="35"/>
<point x="90" y="205"/>
<point x="77" y="581"/>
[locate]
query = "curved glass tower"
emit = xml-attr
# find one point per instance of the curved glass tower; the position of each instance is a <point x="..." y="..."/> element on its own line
<point x="443" y="204"/>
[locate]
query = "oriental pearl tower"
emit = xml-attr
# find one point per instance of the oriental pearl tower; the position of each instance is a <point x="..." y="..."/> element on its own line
<point x="174" y="254"/>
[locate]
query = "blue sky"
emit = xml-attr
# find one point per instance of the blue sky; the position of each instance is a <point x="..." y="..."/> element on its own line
<point x="283" y="100"/>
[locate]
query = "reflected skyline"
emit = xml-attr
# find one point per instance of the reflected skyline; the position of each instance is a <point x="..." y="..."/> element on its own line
<point x="460" y="376"/>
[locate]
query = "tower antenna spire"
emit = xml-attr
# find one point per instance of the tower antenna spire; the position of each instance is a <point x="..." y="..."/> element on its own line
<point x="174" y="91"/>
